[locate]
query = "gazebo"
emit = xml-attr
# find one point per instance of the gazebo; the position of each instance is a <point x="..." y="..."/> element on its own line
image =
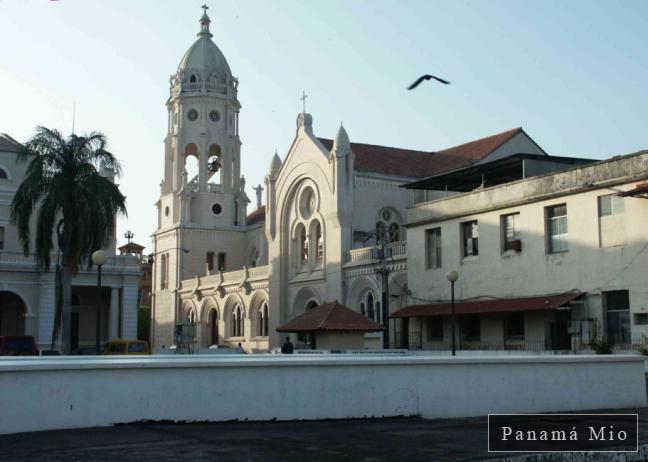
<point x="332" y="326"/>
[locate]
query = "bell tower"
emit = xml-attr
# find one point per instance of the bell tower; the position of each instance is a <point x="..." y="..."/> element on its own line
<point x="203" y="205"/>
<point x="202" y="164"/>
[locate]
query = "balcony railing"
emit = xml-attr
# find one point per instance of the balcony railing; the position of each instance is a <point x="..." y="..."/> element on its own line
<point x="228" y="278"/>
<point x="114" y="263"/>
<point x="197" y="86"/>
<point x="364" y="254"/>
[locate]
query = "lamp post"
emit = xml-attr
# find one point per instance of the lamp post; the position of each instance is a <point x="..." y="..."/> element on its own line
<point x="381" y="253"/>
<point x="452" y="276"/>
<point x="129" y="235"/>
<point x="98" y="258"/>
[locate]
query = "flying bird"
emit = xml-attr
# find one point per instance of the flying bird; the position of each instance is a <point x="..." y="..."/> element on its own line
<point x="426" y="77"/>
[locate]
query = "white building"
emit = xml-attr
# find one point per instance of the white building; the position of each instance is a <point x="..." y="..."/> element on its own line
<point x="554" y="261"/>
<point x="27" y="292"/>
<point x="237" y="277"/>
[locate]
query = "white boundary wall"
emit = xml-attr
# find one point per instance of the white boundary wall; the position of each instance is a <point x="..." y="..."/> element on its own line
<point x="56" y="393"/>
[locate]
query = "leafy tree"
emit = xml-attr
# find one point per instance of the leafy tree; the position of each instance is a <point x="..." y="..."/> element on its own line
<point x="63" y="189"/>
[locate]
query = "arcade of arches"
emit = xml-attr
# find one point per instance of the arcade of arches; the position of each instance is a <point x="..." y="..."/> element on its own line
<point x="12" y="314"/>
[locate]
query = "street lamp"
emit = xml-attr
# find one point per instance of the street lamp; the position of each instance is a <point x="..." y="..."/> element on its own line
<point x="98" y="258"/>
<point x="452" y="276"/>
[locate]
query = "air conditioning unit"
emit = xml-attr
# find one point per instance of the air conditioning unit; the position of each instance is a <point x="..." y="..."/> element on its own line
<point x="515" y="245"/>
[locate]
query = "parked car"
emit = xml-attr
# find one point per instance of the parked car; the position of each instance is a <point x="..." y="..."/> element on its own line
<point x="127" y="347"/>
<point x="18" y="346"/>
<point x="50" y="353"/>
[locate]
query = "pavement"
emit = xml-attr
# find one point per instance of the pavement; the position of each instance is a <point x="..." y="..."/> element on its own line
<point x="367" y="440"/>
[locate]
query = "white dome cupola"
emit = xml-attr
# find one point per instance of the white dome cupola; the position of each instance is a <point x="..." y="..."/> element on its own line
<point x="203" y="68"/>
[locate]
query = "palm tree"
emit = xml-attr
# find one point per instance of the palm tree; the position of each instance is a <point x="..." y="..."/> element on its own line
<point x="70" y="200"/>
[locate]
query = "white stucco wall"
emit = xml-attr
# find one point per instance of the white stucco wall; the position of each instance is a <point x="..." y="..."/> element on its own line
<point x="46" y="394"/>
<point x="603" y="255"/>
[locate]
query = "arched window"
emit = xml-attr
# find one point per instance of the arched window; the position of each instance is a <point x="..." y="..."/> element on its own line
<point x="214" y="161"/>
<point x="380" y="231"/>
<point x="369" y="307"/>
<point x="263" y="320"/>
<point x="213" y="327"/>
<point x="192" y="79"/>
<point x="163" y="271"/>
<point x="254" y="257"/>
<point x="394" y="232"/>
<point x="191" y="317"/>
<point x="303" y="243"/>
<point x="3" y="174"/>
<point x="237" y="321"/>
<point x="320" y="242"/>
<point x="310" y="305"/>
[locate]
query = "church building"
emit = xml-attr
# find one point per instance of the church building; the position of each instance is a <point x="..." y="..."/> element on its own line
<point x="237" y="276"/>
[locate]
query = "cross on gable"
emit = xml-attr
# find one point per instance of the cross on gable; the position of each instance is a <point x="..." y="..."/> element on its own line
<point x="205" y="8"/>
<point x="303" y="99"/>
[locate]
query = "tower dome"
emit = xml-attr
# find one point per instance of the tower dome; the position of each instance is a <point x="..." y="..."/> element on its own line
<point x="203" y="66"/>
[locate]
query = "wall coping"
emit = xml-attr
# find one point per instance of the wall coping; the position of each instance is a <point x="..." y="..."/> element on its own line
<point x="17" y="364"/>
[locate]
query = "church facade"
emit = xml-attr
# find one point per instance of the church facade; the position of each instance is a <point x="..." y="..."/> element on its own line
<point x="237" y="276"/>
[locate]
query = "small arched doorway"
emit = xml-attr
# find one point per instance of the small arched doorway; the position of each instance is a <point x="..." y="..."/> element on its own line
<point x="12" y="314"/>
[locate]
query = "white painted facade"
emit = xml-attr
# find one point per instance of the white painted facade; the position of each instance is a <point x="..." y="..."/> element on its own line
<point x="314" y="199"/>
<point x="606" y="252"/>
<point x="27" y="291"/>
<point x="61" y="392"/>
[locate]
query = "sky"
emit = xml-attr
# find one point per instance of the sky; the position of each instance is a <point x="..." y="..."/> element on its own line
<point x="573" y="74"/>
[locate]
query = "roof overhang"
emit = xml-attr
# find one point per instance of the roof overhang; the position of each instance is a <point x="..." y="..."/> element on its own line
<point x="506" y="170"/>
<point x="640" y="190"/>
<point x="498" y="305"/>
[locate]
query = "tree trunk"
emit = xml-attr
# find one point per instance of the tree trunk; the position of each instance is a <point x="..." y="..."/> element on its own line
<point x="66" y="308"/>
<point x="56" y="326"/>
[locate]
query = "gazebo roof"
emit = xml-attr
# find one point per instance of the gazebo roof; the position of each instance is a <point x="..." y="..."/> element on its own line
<point x="330" y="316"/>
<point x="131" y="247"/>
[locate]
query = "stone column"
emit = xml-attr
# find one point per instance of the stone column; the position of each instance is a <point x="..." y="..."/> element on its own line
<point x="129" y="308"/>
<point x="46" y="310"/>
<point x="29" y="323"/>
<point x="113" y="324"/>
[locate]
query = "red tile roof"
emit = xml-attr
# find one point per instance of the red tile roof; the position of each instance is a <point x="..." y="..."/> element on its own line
<point x="473" y="151"/>
<point x="256" y="217"/>
<point x="330" y="317"/>
<point x="419" y="164"/>
<point x="500" y="305"/>
<point x="386" y="160"/>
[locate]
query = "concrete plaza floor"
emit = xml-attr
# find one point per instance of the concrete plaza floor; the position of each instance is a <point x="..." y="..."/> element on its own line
<point x="368" y="440"/>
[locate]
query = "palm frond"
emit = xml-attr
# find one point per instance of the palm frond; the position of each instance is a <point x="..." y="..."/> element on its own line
<point x="63" y="182"/>
<point x="24" y="201"/>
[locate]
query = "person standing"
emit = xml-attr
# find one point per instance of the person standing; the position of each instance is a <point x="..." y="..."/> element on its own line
<point x="287" y="347"/>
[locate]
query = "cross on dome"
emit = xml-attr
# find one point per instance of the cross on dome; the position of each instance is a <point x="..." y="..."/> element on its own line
<point x="204" y="23"/>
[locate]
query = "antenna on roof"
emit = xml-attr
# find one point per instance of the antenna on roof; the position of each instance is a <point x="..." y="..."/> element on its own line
<point x="73" y="116"/>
